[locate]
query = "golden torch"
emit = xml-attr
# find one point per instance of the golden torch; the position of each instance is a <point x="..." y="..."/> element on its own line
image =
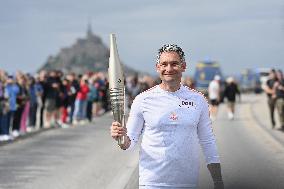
<point x="116" y="86"/>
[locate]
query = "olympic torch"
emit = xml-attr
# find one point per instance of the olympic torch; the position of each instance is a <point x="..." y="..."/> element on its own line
<point x="116" y="86"/>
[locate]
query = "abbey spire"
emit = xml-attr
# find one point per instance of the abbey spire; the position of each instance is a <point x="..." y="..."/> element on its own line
<point x="89" y="30"/>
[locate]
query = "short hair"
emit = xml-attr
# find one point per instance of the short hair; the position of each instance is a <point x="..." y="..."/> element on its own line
<point x="171" y="48"/>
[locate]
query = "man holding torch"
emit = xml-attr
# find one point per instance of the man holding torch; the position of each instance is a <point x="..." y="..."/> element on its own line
<point x="173" y="120"/>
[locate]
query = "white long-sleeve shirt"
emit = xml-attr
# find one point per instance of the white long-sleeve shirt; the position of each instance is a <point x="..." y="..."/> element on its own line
<point x="172" y="125"/>
<point x="214" y="90"/>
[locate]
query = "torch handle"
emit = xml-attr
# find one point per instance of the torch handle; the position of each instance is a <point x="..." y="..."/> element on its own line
<point x="117" y="99"/>
<point x="121" y="140"/>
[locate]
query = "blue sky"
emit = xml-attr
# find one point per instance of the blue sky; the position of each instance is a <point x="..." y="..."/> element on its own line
<point x="238" y="34"/>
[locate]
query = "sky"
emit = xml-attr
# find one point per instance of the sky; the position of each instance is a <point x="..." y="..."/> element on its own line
<point x="238" y="34"/>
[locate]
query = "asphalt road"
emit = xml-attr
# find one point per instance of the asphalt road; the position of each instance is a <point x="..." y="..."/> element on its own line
<point x="251" y="157"/>
<point x="82" y="157"/>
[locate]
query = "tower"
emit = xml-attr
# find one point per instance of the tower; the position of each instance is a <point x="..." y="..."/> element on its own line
<point x="89" y="30"/>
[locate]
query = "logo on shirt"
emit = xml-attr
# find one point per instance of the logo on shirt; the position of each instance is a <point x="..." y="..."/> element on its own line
<point x="188" y="104"/>
<point x="174" y="116"/>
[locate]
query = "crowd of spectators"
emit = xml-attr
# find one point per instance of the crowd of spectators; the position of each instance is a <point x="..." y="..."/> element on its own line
<point x="49" y="99"/>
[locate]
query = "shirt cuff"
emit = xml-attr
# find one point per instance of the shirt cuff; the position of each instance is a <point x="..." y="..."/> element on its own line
<point x="212" y="159"/>
<point x="133" y="143"/>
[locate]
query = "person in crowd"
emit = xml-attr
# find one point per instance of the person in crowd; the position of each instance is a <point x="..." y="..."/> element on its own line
<point x="268" y="89"/>
<point x="214" y="91"/>
<point x="23" y="81"/>
<point x="21" y="99"/>
<point x="81" y="101"/>
<point x="133" y="88"/>
<point x="4" y="109"/>
<point x="149" y="82"/>
<point x="2" y="102"/>
<point x="43" y="75"/>
<point x="100" y="85"/>
<point x="144" y="86"/>
<point x="231" y="90"/>
<point x="279" y="96"/>
<point x="39" y="91"/>
<point x="51" y="97"/>
<point x="173" y="120"/>
<point x="91" y="98"/>
<point x="72" y="93"/>
<point x="188" y="81"/>
<point x="33" y="103"/>
<point x="11" y="91"/>
<point x="2" y="105"/>
<point x="105" y="96"/>
<point x="59" y="99"/>
<point x="96" y="105"/>
<point x="64" y="98"/>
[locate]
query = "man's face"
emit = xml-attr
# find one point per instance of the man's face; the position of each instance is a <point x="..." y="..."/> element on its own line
<point x="170" y="67"/>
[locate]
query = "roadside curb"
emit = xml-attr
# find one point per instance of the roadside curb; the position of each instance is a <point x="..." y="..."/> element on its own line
<point x="26" y="135"/>
<point x="264" y="129"/>
<point x="267" y="136"/>
<point x="36" y="132"/>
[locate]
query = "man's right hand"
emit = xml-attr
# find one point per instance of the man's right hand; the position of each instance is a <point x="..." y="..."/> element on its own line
<point x="116" y="130"/>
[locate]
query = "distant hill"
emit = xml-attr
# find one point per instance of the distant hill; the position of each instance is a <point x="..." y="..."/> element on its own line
<point x="87" y="54"/>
